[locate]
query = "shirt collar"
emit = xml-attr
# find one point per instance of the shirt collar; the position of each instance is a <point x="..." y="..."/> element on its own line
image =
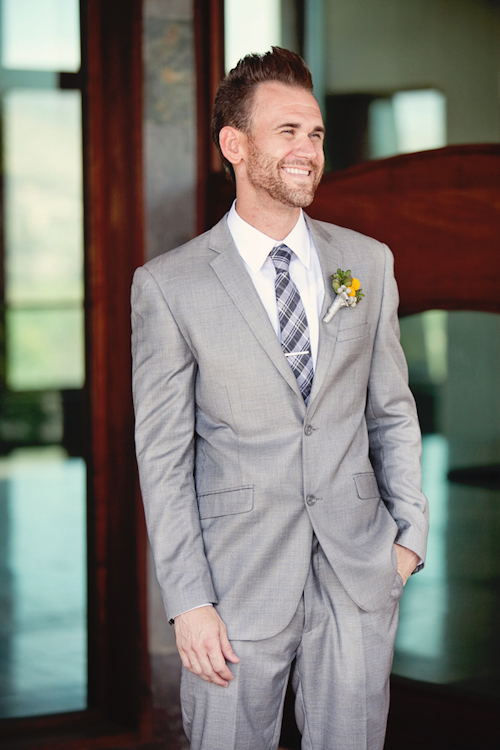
<point x="254" y="246"/>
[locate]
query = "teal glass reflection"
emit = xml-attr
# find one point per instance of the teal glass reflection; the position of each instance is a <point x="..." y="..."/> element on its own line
<point x="43" y="569"/>
<point x="449" y="626"/>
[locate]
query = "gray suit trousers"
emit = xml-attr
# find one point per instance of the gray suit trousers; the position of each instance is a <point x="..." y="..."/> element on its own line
<point x="341" y="676"/>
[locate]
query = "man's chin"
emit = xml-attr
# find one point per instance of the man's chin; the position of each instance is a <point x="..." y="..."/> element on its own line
<point x="299" y="198"/>
<point x="306" y="200"/>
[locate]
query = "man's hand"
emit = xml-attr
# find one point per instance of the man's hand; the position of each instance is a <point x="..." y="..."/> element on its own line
<point x="203" y="645"/>
<point x="407" y="561"/>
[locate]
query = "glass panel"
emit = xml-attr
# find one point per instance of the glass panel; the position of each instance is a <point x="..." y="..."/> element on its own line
<point x="250" y="27"/>
<point x="45" y="349"/>
<point x="449" y="627"/>
<point x="382" y="133"/>
<point x="43" y="196"/>
<point x="43" y="639"/>
<point x="406" y="122"/>
<point x="420" y="118"/>
<point x="41" y="35"/>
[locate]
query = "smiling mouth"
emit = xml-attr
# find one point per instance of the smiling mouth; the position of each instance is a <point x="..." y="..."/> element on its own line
<point x="297" y="170"/>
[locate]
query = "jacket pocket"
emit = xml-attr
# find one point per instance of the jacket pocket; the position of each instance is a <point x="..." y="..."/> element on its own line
<point x="225" y="502"/>
<point x="366" y="485"/>
<point x="356" y="332"/>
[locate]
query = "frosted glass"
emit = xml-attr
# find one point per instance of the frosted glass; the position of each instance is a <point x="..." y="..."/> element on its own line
<point x="45" y="349"/>
<point x="41" y="35"/>
<point x="250" y="27"/>
<point x="420" y="118"/>
<point x="43" y="196"/>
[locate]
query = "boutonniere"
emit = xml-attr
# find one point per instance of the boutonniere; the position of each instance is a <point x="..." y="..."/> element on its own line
<point x="348" y="291"/>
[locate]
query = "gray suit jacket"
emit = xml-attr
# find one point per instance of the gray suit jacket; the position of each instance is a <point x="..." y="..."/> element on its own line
<point x="236" y="472"/>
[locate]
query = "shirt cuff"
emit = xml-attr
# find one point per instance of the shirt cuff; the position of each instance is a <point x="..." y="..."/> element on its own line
<point x="198" y="606"/>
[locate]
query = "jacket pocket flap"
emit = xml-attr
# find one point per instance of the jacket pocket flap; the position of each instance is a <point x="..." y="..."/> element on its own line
<point x="366" y="485"/>
<point x="225" y="502"/>
<point x="355" y="332"/>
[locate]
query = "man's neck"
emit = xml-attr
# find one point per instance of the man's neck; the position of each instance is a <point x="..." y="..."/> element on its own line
<point x="276" y="221"/>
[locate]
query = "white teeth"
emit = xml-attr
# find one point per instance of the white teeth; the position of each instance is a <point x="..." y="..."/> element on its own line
<point x="295" y="170"/>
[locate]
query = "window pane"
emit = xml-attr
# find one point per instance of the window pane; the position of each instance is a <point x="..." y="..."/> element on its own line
<point x="45" y="349"/>
<point x="43" y="573"/>
<point x="43" y="638"/>
<point x="41" y="35"/>
<point x="406" y="122"/>
<point x="449" y="627"/>
<point x="250" y="27"/>
<point x="420" y="120"/>
<point x="43" y="196"/>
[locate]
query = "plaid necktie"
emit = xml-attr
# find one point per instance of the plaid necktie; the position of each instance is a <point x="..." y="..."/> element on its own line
<point x="293" y="322"/>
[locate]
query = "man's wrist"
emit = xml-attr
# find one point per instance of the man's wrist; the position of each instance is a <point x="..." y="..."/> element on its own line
<point x="198" y="606"/>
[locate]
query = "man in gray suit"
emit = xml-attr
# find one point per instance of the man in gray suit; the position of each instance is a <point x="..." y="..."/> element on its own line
<point x="278" y="453"/>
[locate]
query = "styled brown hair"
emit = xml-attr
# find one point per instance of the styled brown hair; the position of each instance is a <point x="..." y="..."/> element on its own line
<point x="234" y="96"/>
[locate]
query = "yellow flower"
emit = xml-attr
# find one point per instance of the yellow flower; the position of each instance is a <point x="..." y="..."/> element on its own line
<point x="354" y="287"/>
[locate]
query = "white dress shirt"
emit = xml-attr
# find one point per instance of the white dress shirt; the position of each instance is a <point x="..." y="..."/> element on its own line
<point x="305" y="270"/>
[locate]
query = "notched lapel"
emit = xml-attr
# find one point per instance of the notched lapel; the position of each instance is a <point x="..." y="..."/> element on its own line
<point x="330" y="258"/>
<point x="232" y="274"/>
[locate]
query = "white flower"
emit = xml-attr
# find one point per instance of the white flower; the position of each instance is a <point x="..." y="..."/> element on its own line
<point x="347" y="296"/>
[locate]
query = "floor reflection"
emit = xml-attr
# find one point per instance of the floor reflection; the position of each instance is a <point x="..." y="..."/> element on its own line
<point x="43" y="664"/>
<point x="449" y="618"/>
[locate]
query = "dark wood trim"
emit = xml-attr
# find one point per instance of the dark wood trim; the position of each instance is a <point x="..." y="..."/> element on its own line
<point x="119" y="676"/>
<point x="119" y="694"/>
<point x="209" y="46"/>
<point x="439" y="212"/>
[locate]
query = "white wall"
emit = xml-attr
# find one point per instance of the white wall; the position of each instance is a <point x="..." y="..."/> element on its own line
<point x="451" y="45"/>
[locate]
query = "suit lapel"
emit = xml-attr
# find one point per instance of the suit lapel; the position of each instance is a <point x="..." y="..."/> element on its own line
<point x="330" y="258"/>
<point x="232" y="274"/>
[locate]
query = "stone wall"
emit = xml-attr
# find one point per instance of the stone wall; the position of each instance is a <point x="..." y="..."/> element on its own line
<point x="169" y="124"/>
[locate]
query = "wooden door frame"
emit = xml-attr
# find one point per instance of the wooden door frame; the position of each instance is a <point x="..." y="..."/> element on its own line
<point x="209" y="48"/>
<point x="119" y="706"/>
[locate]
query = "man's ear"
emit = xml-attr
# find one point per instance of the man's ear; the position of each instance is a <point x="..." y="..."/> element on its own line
<point x="232" y="143"/>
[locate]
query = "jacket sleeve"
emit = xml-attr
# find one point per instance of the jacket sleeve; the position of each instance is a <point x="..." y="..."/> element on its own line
<point x="164" y="374"/>
<point x="394" y="432"/>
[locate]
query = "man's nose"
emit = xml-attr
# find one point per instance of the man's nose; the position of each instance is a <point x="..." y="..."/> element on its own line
<point x="307" y="148"/>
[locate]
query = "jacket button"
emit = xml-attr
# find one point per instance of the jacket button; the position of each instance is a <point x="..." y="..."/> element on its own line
<point x="308" y="430"/>
<point x="310" y="499"/>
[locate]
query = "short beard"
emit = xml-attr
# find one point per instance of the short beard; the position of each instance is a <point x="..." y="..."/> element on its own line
<point x="263" y="173"/>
